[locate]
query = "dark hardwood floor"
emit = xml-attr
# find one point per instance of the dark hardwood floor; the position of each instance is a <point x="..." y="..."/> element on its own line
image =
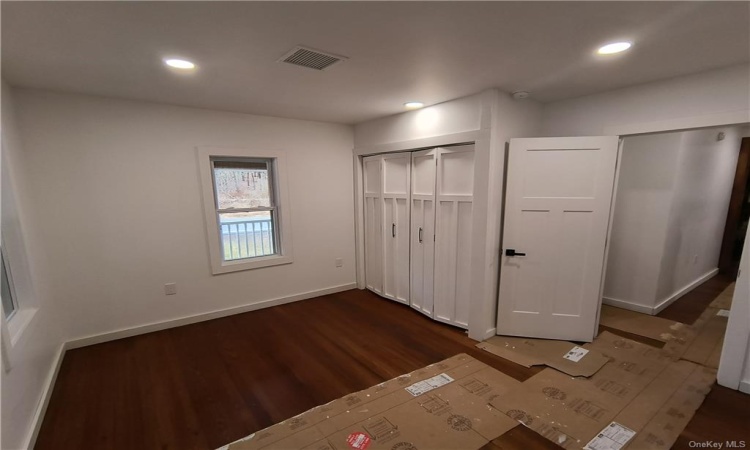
<point x="201" y="386"/>
<point x="688" y="308"/>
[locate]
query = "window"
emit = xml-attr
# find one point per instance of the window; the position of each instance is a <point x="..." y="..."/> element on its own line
<point x="245" y="207"/>
<point x="8" y="293"/>
<point x="246" y="214"/>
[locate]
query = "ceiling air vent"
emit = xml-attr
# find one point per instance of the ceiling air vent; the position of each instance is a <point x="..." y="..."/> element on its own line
<point x="314" y="59"/>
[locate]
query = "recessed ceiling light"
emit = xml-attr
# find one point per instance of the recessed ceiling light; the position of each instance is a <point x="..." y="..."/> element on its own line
<point x="179" y="64"/>
<point x="615" y="47"/>
<point x="413" y="105"/>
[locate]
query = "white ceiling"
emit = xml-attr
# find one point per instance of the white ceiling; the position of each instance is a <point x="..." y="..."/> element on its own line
<point x="399" y="51"/>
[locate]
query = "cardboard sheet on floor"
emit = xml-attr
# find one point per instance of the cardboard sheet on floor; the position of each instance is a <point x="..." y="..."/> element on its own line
<point x="443" y="405"/>
<point x="642" y="324"/>
<point x="561" y="355"/>
<point x="641" y="396"/>
<point x="724" y="300"/>
<point x="705" y="349"/>
<point x="702" y="341"/>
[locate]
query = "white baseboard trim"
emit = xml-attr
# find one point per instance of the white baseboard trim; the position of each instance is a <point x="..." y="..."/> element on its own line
<point x="489" y="333"/>
<point x="745" y="387"/>
<point x="41" y="409"/>
<point x="627" y="305"/>
<point x="180" y="321"/>
<point x="671" y="299"/>
<point x="660" y="306"/>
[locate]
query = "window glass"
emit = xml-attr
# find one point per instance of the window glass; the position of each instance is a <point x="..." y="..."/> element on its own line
<point x="242" y="185"/>
<point x="247" y="234"/>
<point x="9" y="305"/>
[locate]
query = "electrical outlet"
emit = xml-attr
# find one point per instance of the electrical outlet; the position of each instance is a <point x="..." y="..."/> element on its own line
<point x="339" y="262"/>
<point x="170" y="289"/>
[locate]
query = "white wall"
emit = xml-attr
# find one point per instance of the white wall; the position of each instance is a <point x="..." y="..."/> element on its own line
<point x="714" y="95"/>
<point x="33" y="350"/>
<point x="703" y="187"/>
<point x="639" y="227"/>
<point x="671" y="206"/>
<point x="455" y="116"/>
<point x="116" y="195"/>
<point x="509" y="119"/>
<point x="734" y="370"/>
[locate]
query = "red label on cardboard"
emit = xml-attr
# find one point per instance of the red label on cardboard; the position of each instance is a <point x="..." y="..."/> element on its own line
<point x="359" y="441"/>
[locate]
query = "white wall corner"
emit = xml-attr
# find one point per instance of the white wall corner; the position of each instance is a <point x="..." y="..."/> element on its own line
<point x="483" y="271"/>
<point x="662" y="305"/>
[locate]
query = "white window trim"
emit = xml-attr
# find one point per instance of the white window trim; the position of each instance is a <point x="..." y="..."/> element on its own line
<point x="21" y="316"/>
<point x="284" y="225"/>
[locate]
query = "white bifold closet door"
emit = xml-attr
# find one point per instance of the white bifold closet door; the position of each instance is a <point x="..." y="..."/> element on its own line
<point x="424" y="168"/>
<point x="387" y="190"/>
<point x="396" y="189"/>
<point x="373" y="205"/>
<point x="454" y="192"/>
<point x="418" y="229"/>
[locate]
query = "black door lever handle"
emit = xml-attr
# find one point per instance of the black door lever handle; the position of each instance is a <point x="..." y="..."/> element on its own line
<point x="512" y="252"/>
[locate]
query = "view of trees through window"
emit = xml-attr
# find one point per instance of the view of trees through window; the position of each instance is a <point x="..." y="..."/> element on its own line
<point x="245" y="207"/>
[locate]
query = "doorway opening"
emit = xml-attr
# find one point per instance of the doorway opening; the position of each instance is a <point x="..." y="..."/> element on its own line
<point x="672" y="215"/>
<point x="738" y="215"/>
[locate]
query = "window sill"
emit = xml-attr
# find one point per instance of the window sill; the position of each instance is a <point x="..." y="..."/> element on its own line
<point x="254" y="263"/>
<point x="19" y="322"/>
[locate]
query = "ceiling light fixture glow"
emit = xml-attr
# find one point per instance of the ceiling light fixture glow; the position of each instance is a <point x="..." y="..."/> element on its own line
<point x="413" y="105"/>
<point x="615" y="47"/>
<point x="179" y="64"/>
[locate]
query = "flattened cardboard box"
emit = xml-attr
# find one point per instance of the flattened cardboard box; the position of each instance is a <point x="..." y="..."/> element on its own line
<point x="700" y="342"/>
<point x="640" y="389"/>
<point x="705" y="349"/>
<point x="563" y="356"/>
<point x="724" y="300"/>
<point x="443" y="405"/>
<point x="641" y="324"/>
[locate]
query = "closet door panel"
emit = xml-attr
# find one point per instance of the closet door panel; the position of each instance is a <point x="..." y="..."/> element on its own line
<point x="374" y="244"/>
<point x="445" y="261"/>
<point x="373" y="206"/>
<point x="416" y="269"/>
<point x="396" y="196"/>
<point x="390" y="250"/>
<point x="454" y="198"/>
<point x="463" y="262"/>
<point x="424" y="171"/>
<point x="401" y="262"/>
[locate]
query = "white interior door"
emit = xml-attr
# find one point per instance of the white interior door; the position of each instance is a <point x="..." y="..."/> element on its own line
<point x="453" y="223"/>
<point x="373" y="206"/>
<point x="424" y="168"/>
<point x="396" y="191"/>
<point x="557" y="211"/>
